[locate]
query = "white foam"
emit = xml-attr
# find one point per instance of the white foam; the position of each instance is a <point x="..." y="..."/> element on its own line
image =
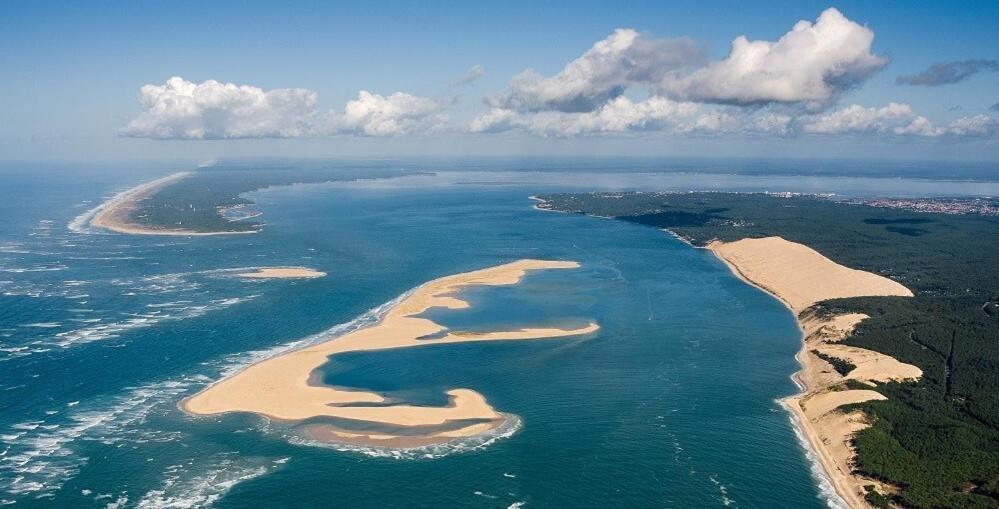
<point x="41" y="456"/>
<point x="100" y="331"/>
<point x="511" y="425"/>
<point x="827" y="491"/>
<point x="180" y="490"/>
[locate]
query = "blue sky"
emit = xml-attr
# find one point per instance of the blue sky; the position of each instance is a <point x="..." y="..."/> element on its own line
<point x="73" y="73"/>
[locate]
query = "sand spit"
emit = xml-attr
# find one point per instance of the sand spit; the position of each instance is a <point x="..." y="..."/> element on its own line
<point x="281" y="273"/>
<point x="801" y="277"/>
<point x="115" y="214"/>
<point x="283" y="387"/>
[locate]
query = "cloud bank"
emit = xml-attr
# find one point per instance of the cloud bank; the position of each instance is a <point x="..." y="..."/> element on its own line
<point x="628" y="82"/>
<point x="786" y="87"/>
<point x="182" y="110"/>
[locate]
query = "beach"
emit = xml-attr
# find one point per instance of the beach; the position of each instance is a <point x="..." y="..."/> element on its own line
<point x="115" y="214"/>
<point x="800" y="277"/>
<point x="284" y="388"/>
<point x="282" y="273"/>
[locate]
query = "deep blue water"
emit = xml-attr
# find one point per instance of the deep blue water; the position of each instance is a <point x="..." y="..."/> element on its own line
<point x="670" y="404"/>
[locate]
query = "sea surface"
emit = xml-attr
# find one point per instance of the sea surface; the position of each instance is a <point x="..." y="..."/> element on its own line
<point x="671" y="404"/>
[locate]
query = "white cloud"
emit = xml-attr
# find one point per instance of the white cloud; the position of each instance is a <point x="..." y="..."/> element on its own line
<point x="602" y="73"/>
<point x="895" y="119"/>
<point x="179" y="109"/>
<point x="400" y="113"/>
<point x="978" y="125"/>
<point x="811" y="64"/>
<point x="496" y="120"/>
<point x="623" y="115"/>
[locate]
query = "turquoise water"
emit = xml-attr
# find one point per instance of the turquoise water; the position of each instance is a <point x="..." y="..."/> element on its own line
<point x="670" y="404"/>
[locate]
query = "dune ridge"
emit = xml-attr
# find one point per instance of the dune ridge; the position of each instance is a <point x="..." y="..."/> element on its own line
<point x="801" y="277"/>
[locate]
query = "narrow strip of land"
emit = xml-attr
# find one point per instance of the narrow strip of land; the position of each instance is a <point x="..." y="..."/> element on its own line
<point x="117" y="213"/>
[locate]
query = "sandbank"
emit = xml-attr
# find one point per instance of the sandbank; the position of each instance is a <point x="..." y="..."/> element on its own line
<point x="801" y="277"/>
<point x="283" y="387"/>
<point x="281" y="273"/>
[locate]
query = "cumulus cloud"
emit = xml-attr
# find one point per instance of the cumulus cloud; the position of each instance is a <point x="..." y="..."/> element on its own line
<point x="400" y="113"/>
<point x="977" y="125"/>
<point x="472" y="75"/>
<point x="211" y="110"/>
<point x="601" y="74"/>
<point x="180" y="109"/>
<point x="623" y="115"/>
<point x="811" y="64"/>
<point x="760" y="87"/>
<point x="945" y="73"/>
<point x="895" y="119"/>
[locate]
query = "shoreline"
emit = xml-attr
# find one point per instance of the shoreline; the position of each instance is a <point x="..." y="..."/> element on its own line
<point x="114" y="214"/>
<point x="814" y="409"/>
<point x="284" y="387"/>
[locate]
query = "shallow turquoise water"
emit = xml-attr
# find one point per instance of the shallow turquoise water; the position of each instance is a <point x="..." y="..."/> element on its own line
<point x="670" y="404"/>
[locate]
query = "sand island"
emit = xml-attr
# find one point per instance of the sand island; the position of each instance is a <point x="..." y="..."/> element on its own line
<point x="281" y="273"/>
<point x="285" y="387"/>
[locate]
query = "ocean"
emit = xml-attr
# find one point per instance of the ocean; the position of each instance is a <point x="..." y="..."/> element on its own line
<point x="673" y="403"/>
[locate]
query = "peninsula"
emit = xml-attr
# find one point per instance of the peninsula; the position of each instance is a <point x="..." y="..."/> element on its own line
<point x="199" y="203"/>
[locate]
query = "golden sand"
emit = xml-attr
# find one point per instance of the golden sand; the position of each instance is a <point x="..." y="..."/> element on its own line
<point x="281" y="273"/>
<point x="801" y="277"/>
<point x="282" y="388"/>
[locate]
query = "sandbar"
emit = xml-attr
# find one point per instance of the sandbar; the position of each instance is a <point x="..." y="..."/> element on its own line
<point x="283" y="387"/>
<point x="801" y="277"/>
<point x="281" y="273"/>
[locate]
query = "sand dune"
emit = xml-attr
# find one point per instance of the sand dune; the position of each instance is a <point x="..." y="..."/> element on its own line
<point x="801" y="277"/>
<point x="282" y="387"/>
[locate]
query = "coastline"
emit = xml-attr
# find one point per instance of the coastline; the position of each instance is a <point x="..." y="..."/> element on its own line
<point x="114" y="214"/>
<point x="285" y="388"/>
<point x="814" y="410"/>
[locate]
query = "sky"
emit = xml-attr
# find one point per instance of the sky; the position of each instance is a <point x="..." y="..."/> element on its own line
<point x="206" y="80"/>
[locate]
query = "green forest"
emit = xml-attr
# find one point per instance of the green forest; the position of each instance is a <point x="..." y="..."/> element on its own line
<point x="194" y="203"/>
<point x="937" y="439"/>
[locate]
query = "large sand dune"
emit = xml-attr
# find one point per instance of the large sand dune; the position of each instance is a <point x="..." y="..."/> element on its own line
<point x="801" y="277"/>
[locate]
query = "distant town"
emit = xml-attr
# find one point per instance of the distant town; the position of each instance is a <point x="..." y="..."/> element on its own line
<point x="983" y="206"/>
